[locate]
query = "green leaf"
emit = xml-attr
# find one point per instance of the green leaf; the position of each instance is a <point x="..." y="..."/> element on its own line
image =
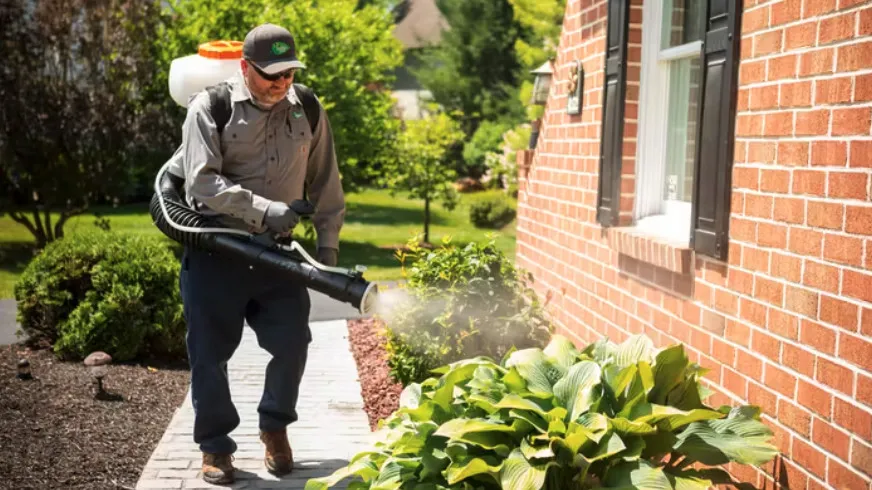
<point x="535" y="452"/>
<point x="561" y="352"/>
<point x="512" y="400"/>
<point x="456" y="473"/>
<point x="362" y="467"/>
<point x="514" y="382"/>
<point x="636" y="475"/>
<point x="534" y="368"/>
<point x="737" y="438"/>
<point x="669" y="367"/>
<point x="531" y="418"/>
<point x="410" y="397"/>
<point x="624" y="426"/>
<point x="518" y="474"/>
<point x="576" y="391"/>
<point x="669" y="418"/>
<point x="596" y="423"/>
<point x="611" y="445"/>
<point x="619" y="379"/>
<point x="633" y="350"/>
<point x="688" y="482"/>
<point x="456" y="428"/>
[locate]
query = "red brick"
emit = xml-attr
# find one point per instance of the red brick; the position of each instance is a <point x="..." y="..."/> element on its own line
<point x="853" y="418"/>
<point x="825" y="214"/>
<point x="789" y="210"/>
<point x="783" y="323"/>
<point x="841" y="477"/>
<point x="836" y="28"/>
<point x="758" y="206"/>
<point x="833" y="91"/>
<point x="726" y="301"/>
<point x="829" y="153"/>
<point x="794" y="153"/>
<point x="809" y="182"/>
<point x="801" y="301"/>
<point x="863" y="87"/>
<point x="780" y="380"/>
<point x="821" y="276"/>
<point x="775" y="181"/>
<point x="805" y="242"/>
<point x="838" y="312"/>
<point x="814" y="8"/>
<point x="799" y="36"/>
<point x="767" y="43"/>
<point x="739" y="333"/>
<point x="795" y="95"/>
<point x="783" y="67"/>
<point x="815" y="122"/>
<point x="786" y="11"/>
<point x="752" y="72"/>
<point x="751" y="125"/>
<point x="769" y="291"/>
<point x="858" y="219"/>
<point x="772" y="235"/>
<point x="866" y="322"/>
<point x="777" y="124"/>
<point x="831" y="438"/>
<point x="864" y="389"/>
<point x="809" y="395"/>
<point x="798" y="359"/>
<point x="741" y="281"/>
<point x="857" y="285"/>
<point x="794" y="416"/>
<point x="843" y="249"/>
<point x="810" y="458"/>
<point x="735" y="382"/>
<point x="820" y="337"/>
<point x="852" y="121"/>
<point x="861" y="154"/>
<point x="817" y="62"/>
<point x="861" y="457"/>
<point x="855" y="57"/>
<point x="865" y="26"/>
<point x="746" y="178"/>
<point x="848" y="185"/>
<point x="834" y="375"/>
<point x="767" y="345"/>
<point x="761" y="152"/>
<point x="786" y="266"/>
<point x="856" y="350"/>
<point x="743" y="230"/>
<point x="764" y="97"/>
<point x="762" y="397"/>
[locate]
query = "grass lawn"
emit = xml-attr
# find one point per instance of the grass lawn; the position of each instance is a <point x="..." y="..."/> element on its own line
<point x="375" y="224"/>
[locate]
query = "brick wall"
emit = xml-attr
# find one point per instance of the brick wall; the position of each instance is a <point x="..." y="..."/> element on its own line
<point x="786" y="324"/>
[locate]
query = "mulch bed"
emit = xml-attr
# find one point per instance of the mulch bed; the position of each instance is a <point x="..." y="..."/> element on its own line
<point x="55" y="434"/>
<point x="381" y="394"/>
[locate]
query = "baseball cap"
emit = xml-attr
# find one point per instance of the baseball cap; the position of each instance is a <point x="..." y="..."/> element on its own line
<point x="271" y="48"/>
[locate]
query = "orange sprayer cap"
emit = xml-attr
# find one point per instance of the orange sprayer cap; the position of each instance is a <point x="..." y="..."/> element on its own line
<point x="221" y="50"/>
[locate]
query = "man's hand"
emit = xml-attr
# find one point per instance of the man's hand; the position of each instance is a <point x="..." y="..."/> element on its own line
<point x="280" y="218"/>
<point x="328" y="256"/>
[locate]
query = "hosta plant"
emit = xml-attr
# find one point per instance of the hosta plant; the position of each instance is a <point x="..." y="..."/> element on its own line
<point x="608" y="417"/>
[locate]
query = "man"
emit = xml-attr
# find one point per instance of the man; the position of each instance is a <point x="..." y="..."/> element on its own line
<point x="246" y="176"/>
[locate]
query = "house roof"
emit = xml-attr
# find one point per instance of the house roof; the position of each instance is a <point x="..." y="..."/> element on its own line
<point x="422" y="25"/>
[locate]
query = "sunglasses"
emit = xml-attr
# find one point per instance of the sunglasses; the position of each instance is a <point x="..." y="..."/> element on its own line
<point x="287" y="74"/>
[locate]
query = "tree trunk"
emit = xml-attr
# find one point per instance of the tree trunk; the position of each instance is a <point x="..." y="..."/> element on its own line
<point x="426" y="220"/>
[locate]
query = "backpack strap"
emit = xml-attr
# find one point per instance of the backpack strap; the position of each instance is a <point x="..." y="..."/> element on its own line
<point x="310" y="105"/>
<point x="219" y="100"/>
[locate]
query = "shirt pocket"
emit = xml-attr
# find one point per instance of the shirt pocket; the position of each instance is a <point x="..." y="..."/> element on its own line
<point x="299" y="136"/>
<point x="241" y="145"/>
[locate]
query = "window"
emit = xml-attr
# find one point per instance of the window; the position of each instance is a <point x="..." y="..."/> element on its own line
<point x="671" y="90"/>
<point x="686" y="129"/>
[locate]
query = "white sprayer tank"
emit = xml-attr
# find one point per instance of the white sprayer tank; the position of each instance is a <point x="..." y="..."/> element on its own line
<point x="214" y="62"/>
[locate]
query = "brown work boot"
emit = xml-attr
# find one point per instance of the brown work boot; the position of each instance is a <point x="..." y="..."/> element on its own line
<point x="218" y="468"/>
<point x="279" y="458"/>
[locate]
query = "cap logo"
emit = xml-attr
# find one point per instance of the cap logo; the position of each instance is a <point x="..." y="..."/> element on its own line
<point x="280" y="47"/>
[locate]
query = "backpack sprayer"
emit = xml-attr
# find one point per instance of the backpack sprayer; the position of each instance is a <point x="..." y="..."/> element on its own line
<point x="172" y="215"/>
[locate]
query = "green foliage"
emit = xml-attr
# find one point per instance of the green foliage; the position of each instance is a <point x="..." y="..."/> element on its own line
<point x="488" y="138"/>
<point x="461" y="302"/>
<point x="607" y="417"/>
<point x="492" y="212"/>
<point x="475" y="69"/>
<point x="542" y="21"/>
<point x="102" y="291"/>
<point x="419" y="167"/>
<point x="347" y="50"/>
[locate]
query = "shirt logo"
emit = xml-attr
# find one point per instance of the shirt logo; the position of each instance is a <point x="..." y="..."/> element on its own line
<point x="297" y="114"/>
<point x="279" y="47"/>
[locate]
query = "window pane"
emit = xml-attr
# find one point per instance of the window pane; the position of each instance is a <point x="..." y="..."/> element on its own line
<point x="681" y="22"/>
<point x="681" y="126"/>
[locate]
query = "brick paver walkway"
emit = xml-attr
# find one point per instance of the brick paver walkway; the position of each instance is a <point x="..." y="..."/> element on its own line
<point x="332" y="426"/>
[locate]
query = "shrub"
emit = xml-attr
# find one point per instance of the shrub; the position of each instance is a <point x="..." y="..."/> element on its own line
<point x="610" y="416"/>
<point x="491" y="212"/>
<point x="103" y="291"/>
<point x="461" y="302"/>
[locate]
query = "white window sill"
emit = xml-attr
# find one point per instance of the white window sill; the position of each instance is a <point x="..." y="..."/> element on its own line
<point x="667" y="228"/>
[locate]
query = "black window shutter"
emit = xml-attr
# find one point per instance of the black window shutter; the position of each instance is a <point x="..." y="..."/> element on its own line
<point x="614" y="94"/>
<point x="714" y="155"/>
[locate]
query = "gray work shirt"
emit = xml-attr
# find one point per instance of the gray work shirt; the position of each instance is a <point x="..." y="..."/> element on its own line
<point x="261" y="156"/>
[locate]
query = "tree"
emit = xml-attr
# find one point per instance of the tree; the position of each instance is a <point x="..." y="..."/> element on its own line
<point x="72" y="121"/>
<point x="475" y="69"/>
<point x="350" y="53"/>
<point x="420" y="168"/>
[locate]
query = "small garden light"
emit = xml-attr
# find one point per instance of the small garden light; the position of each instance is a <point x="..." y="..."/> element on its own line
<point x="24" y="370"/>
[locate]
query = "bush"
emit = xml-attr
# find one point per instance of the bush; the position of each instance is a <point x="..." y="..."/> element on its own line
<point x="461" y="302"/>
<point x="492" y="212"/>
<point x="104" y="291"/>
<point x="610" y="416"/>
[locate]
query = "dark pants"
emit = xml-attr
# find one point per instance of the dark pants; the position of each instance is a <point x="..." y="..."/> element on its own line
<point x="219" y="293"/>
